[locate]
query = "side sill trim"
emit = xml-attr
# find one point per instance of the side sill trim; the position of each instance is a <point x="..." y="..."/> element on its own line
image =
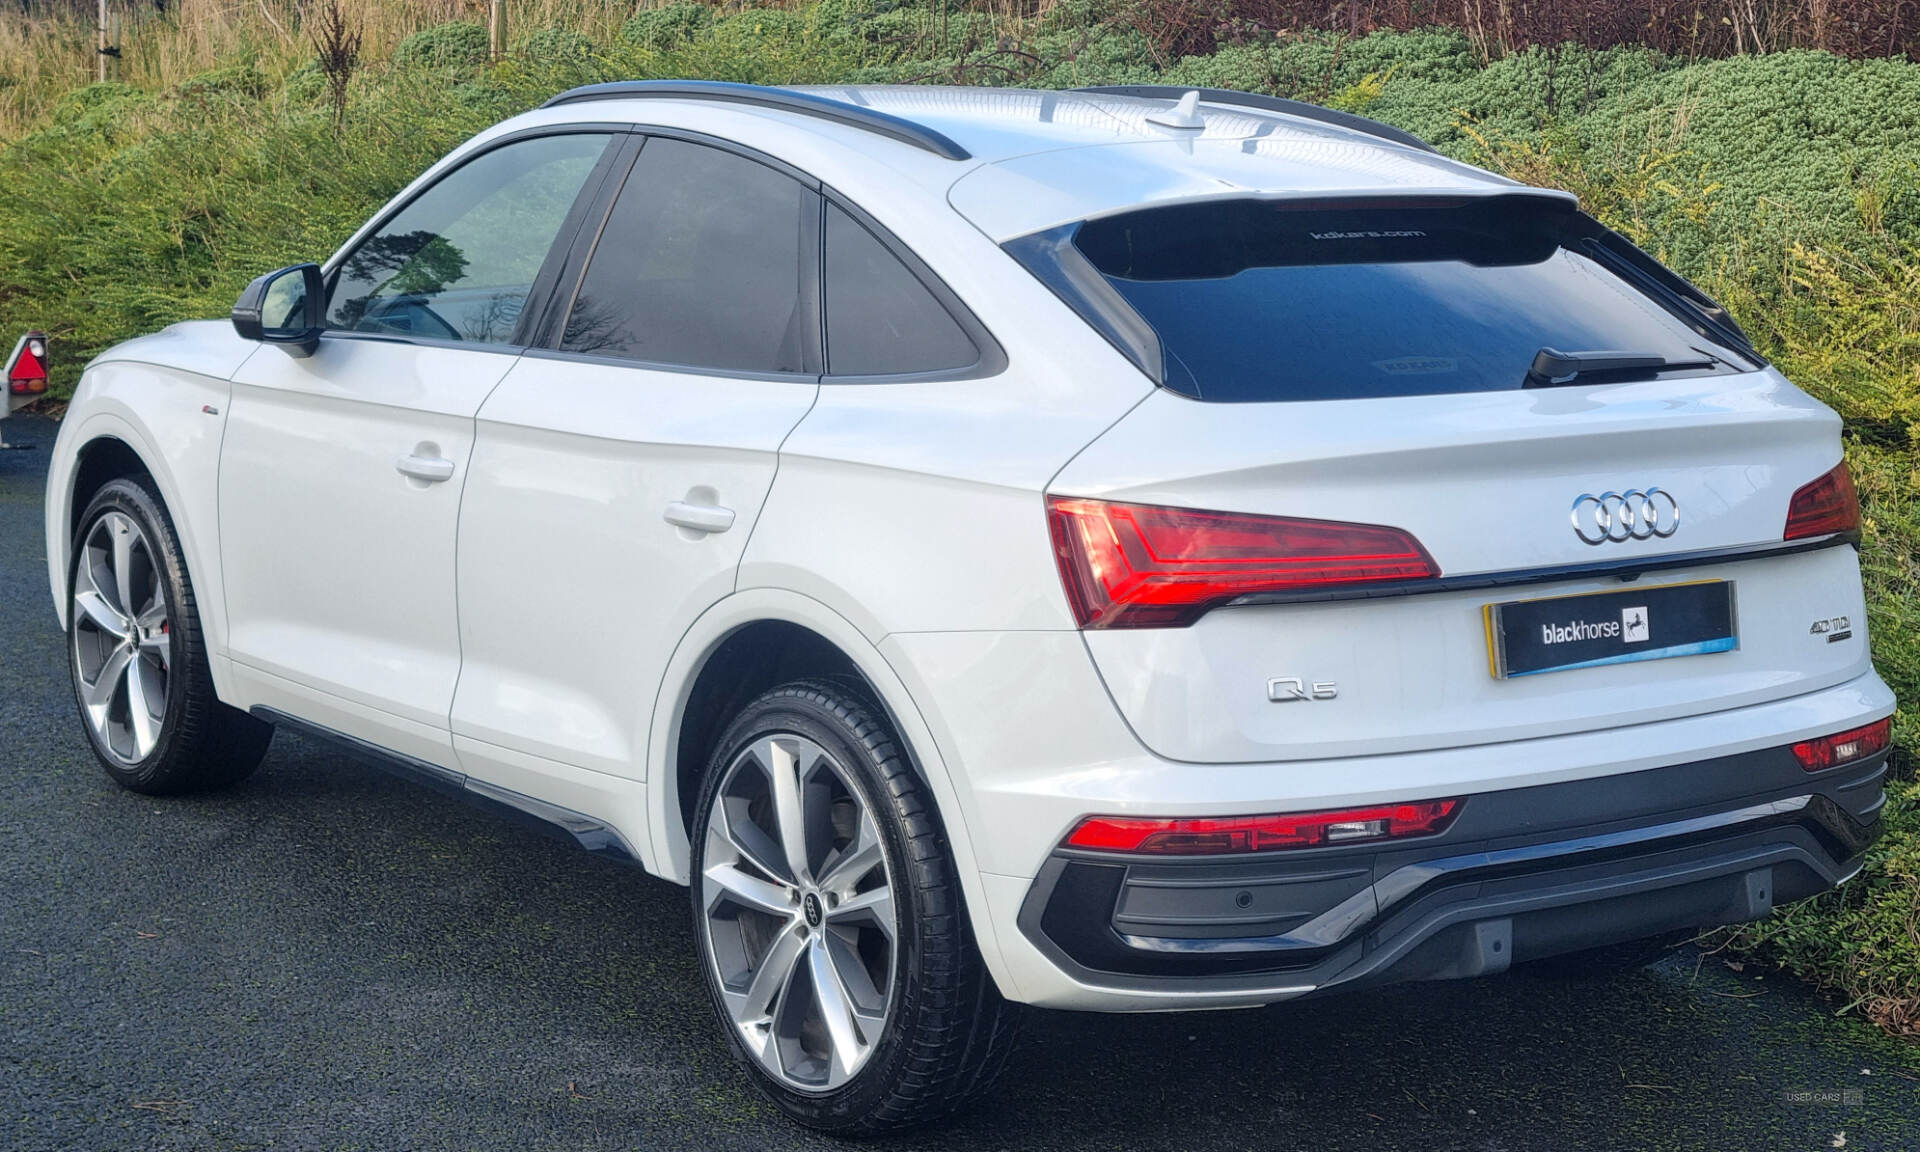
<point x="1624" y="569"/>
<point x="590" y="833"/>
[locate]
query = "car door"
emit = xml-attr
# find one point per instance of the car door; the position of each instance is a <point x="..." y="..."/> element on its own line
<point x="617" y="474"/>
<point x="341" y="472"/>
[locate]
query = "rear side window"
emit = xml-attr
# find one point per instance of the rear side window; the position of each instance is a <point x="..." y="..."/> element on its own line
<point x="707" y="261"/>
<point x="1255" y="301"/>
<point x="881" y="320"/>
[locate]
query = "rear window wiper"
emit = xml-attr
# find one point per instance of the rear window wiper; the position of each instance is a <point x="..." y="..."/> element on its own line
<point x="1552" y="368"/>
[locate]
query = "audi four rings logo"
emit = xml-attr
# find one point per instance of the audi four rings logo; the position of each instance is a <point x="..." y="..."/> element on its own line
<point x="1623" y="516"/>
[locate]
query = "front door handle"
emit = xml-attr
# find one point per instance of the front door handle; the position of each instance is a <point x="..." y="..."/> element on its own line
<point x="431" y="469"/>
<point x="699" y="517"/>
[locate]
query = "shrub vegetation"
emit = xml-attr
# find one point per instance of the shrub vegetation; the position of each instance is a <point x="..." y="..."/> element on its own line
<point x="1783" y="182"/>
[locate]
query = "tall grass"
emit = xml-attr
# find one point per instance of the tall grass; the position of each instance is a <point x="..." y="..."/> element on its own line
<point x="49" y="49"/>
<point x="47" y="46"/>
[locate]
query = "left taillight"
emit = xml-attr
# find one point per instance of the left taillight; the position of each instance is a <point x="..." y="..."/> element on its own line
<point x="1147" y="566"/>
<point x="27" y="367"/>
<point x="1234" y="835"/>
<point x="1825" y="507"/>
<point x="1844" y="747"/>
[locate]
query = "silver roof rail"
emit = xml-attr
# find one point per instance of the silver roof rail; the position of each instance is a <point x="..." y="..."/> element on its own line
<point x="804" y="103"/>
<point x="1269" y="104"/>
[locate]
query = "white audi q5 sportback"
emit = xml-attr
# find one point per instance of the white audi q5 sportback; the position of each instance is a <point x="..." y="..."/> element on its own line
<point x="1126" y="549"/>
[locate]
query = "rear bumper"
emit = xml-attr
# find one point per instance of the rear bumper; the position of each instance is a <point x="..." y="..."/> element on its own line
<point x="1033" y="744"/>
<point x="1520" y="874"/>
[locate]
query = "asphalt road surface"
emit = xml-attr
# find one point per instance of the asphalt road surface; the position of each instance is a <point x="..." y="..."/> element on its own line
<point x="329" y="958"/>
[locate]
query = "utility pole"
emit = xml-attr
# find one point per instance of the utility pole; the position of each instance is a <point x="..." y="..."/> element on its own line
<point x="496" y="30"/>
<point x="107" y="43"/>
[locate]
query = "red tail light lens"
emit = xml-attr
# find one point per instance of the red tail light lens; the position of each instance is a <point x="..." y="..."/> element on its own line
<point x="1141" y="566"/>
<point x="27" y="370"/>
<point x="1845" y="747"/>
<point x="1824" y="507"/>
<point x="1227" y="835"/>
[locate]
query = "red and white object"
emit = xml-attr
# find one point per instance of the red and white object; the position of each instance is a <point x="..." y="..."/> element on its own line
<point x="26" y="376"/>
<point x="27" y="370"/>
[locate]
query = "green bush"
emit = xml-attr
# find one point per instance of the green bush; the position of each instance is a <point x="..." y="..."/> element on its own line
<point x="238" y="82"/>
<point x="306" y="84"/>
<point x="668" y="27"/>
<point x="455" y="44"/>
<point x="95" y="107"/>
<point x="556" y="44"/>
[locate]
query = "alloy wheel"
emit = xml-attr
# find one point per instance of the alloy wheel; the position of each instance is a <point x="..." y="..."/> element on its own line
<point x="799" y="911"/>
<point x="122" y="639"/>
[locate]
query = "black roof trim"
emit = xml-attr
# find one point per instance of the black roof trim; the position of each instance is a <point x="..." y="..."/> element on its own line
<point x="1270" y="104"/>
<point x="805" y="103"/>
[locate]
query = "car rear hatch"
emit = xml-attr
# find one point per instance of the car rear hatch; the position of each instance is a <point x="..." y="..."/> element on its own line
<point x="1372" y="375"/>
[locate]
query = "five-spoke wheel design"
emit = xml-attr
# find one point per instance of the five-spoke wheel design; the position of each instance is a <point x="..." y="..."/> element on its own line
<point x="122" y="638"/>
<point x="799" y="912"/>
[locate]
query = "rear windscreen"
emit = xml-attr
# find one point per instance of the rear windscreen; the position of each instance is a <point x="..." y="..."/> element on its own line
<point x="1251" y="300"/>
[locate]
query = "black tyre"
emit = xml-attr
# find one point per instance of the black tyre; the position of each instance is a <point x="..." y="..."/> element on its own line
<point x="138" y="659"/>
<point x="1609" y="959"/>
<point x="830" y="923"/>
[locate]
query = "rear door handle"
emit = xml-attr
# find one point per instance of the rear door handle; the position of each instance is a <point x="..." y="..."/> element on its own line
<point x="699" y="517"/>
<point x="432" y="469"/>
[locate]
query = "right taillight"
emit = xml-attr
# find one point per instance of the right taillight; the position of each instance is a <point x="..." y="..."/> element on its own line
<point x="1825" y="507"/>
<point x="1146" y="566"/>
<point x="1845" y="747"/>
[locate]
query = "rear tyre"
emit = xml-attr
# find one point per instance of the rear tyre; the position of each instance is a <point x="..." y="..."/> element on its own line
<point x="1609" y="959"/>
<point x="829" y="920"/>
<point x="138" y="659"/>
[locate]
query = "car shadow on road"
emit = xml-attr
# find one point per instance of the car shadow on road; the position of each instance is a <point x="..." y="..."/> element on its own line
<point x="1688" y="1054"/>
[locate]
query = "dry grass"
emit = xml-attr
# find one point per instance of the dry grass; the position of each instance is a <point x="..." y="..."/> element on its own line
<point x="49" y="52"/>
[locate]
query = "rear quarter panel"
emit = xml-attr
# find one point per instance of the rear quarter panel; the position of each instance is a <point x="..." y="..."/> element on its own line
<point x="917" y="506"/>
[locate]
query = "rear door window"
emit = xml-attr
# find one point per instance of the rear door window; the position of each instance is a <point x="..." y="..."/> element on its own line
<point x="1269" y="301"/>
<point x="708" y="260"/>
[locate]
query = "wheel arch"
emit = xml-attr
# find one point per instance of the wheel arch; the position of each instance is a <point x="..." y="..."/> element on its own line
<point x="704" y="677"/>
<point x="112" y="441"/>
<point x="106" y="447"/>
<point x="100" y="460"/>
<point x="746" y="661"/>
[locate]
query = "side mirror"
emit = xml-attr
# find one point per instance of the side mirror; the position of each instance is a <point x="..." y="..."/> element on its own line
<point x="287" y="308"/>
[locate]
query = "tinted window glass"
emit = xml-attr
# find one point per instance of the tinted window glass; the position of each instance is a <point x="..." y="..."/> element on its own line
<point x="458" y="261"/>
<point x="704" y="262"/>
<point x="880" y="318"/>
<point x="1258" y="301"/>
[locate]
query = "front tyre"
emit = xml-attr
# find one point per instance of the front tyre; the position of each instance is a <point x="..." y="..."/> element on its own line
<point x="829" y="920"/>
<point x="138" y="659"/>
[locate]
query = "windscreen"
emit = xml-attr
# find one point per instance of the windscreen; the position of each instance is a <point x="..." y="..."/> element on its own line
<point x="1261" y="300"/>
